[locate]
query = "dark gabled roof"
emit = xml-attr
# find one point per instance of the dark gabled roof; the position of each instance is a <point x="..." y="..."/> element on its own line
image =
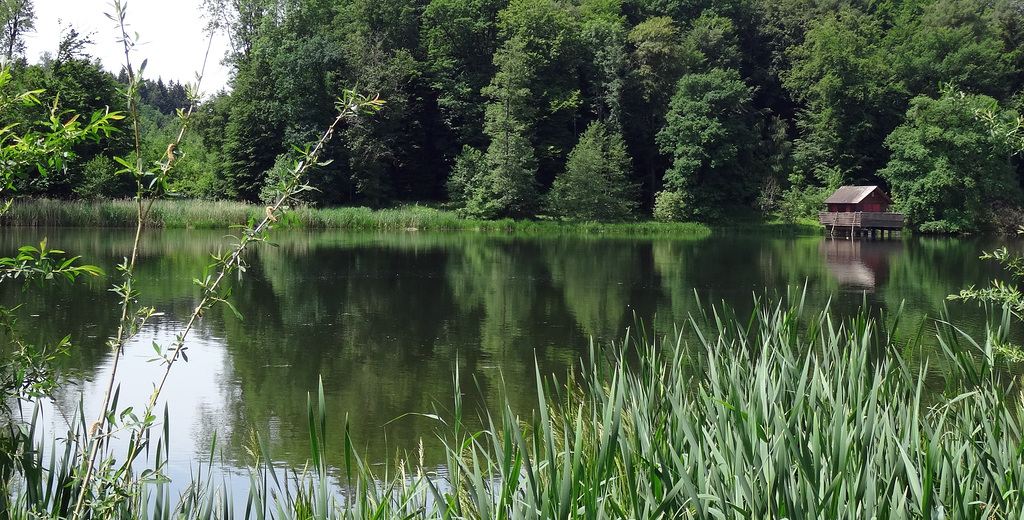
<point x="854" y="195"/>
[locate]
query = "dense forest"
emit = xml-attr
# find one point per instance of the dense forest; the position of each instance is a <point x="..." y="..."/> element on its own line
<point x="684" y="110"/>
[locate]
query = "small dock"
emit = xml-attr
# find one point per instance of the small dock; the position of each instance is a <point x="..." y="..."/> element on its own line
<point x="861" y="223"/>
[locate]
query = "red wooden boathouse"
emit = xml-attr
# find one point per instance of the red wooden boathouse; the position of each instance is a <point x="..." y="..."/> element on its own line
<point x="860" y="210"/>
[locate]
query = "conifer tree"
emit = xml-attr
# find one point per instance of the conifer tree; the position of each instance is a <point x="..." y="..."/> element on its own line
<point x="594" y="185"/>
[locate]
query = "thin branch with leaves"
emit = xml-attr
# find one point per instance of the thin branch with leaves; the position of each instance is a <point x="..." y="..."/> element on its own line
<point x="151" y="184"/>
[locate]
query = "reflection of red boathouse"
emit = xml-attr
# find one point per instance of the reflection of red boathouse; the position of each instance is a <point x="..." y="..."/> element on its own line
<point x="860" y="210"/>
<point x="859" y="265"/>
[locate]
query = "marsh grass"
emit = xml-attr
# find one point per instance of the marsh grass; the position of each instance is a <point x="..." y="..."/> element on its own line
<point x="776" y="414"/>
<point x="124" y="214"/>
<point x="196" y="214"/>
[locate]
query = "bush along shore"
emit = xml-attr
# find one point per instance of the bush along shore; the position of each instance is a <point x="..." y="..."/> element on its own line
<point x="778" y="414"/>
<point x="198" y="214"/>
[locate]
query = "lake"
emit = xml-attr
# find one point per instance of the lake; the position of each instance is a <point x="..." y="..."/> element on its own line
<point x="385" y="319"/>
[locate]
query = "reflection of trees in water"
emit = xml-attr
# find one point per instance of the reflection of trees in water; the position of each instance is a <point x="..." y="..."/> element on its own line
<point x="497" y="287"/>
<point x="386" y="318"/>
<point x="597" y="279"/>
<point x="734" y="269"/>
<point x="87" y="310"/>
<point x="385" y="326"/>
<point x="931" y="268"/>
<point x="341" y="314"/>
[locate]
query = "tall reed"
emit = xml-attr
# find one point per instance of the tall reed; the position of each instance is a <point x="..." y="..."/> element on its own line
<point x="198" y="214"/>
<point x="779" y="414"/>
<point x="775" y="415"/>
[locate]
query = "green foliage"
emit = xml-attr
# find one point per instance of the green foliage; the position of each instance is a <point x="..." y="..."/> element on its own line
<point x="594" y="185"/>
<point x="101" y="180"/>
<point x="656" y="63"/>
<point x="29" y="371"/>
<point x="801" y="203"/>
<point x="167" y="98"/>
<point x="710" y="134"/>
<point x="511" y="107"/>
<point x="41" y="264"/>
<point x="1004" y="130"/>
<point x="947" y="169"/>
<point x="670" y="206"/>
<point x="712" y="43"/>
<point x="843" y="76"/>
<point x="122" y="213"/>
<point x="607" y="70"/>
<point x="76" y="84"/>
<point x="836" y="76"/>
<point x="469" y="170"/>
<point x="208" y="128"/>
<point x="43" y="147"/>
<point x="1001" y="294"/>
<point x="783" y="25"/>
<point x="197" y="214"/>
<point x="506" y="187"/>
<point x="377" y="39"/>
<point x="958" y="42"/>
<point x="108" y="484"/>
<point x="750" y="421"/>
<point x="657" y="56"/>
<point x="542" y="55"/>
<point x="47" y="147"/>
<point x="373" y="147"/>
<point x="253" y="133"/>
<point x="461" y="39"/>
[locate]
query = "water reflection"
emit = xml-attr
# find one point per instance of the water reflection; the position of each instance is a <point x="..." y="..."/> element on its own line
<point x="859" y="265"/>
<point x="394" y="323"/>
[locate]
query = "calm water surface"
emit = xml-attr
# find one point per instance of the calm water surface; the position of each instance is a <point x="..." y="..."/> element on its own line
<point x="386" y="318"/>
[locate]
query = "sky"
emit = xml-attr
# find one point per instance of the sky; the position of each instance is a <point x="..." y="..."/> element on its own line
<point x="172" y="37"/>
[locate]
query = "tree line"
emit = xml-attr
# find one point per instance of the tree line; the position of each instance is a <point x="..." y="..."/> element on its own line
<point x="604" y="110"/>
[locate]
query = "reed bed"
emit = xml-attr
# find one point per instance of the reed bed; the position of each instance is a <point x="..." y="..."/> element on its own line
<point x="778" y="414"/>
<point x="124" y="214"/>
<point x="197" y="214"/>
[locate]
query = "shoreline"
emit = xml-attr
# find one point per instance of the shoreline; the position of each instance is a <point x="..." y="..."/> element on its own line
<point x="200" y="214"/>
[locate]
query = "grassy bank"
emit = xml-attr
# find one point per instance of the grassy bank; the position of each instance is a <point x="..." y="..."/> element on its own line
<point x="777" y="414"/>
<point x="124" y="213"/>
<point x="194" y="214"/>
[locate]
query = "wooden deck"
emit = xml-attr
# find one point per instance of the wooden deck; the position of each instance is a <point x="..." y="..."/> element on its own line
<point x="860" y="222"/>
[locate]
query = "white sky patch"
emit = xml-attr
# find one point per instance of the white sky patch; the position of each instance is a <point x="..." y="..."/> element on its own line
<point x="172" y="37"/>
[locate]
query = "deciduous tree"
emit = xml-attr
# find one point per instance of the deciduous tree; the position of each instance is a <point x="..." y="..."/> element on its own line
<point x="18" y="18"/>
<point x="956" y="41"/>
<point x="711" y="134"/>
<point x="843" y="76"/>
<point x="948" y="170"/>
<point x="656" y="62"/>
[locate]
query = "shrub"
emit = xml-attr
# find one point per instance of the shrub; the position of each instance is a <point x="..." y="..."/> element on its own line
<point x="101" y="180"/>
<point x="469" y="168"/>
<point x="799" y="203"/>
<point x="669" y="206"/>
